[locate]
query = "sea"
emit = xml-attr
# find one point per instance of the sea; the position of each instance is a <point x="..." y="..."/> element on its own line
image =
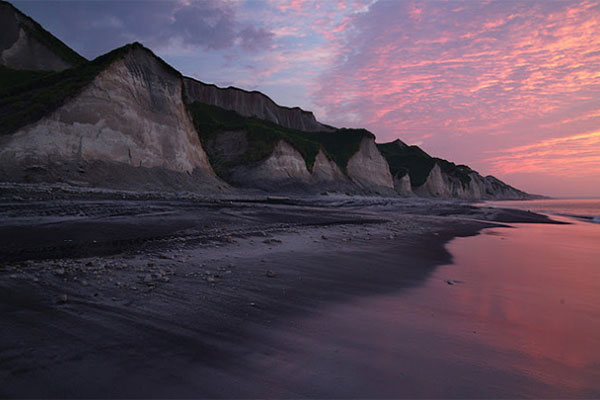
<point x="584" y="209"/>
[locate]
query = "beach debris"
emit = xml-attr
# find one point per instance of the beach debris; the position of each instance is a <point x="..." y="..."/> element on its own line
<point x="252" y="304"/>
<point x="270" y="274"/>
<point x="451" y="282"/>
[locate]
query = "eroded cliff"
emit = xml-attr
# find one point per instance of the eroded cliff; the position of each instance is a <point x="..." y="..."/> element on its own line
<point x="418" y="173"/>
<point x="251" y="104"/>
<point x="131" y="113"/>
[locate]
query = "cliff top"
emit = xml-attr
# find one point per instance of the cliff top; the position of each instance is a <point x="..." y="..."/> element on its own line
<point x="33" y="94"/>
<point x="35" y="30"/>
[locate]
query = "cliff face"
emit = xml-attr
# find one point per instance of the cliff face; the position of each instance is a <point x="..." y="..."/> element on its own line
<point x="131" y="113"/>
<point x="369" y="169"/>
<point x="24" y="44"/>
<point x="251" y="104"/>
<point x="444" y="185"/>
<point x="284" y="169"/>
<point x="402" y="185"/>
<point x="416" y="172"/>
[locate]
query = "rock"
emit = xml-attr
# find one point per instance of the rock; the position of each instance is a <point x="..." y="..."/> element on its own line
<point x="451" y="282"/>
<point x="252" y="304"/>
<point x="323" y="237"/>
<point x="270" y="274"/>
<point x="148" y="279"/>
<point x="59" y="271"/>
<point x="63" y="298"/>
<point x="229" y="239"/>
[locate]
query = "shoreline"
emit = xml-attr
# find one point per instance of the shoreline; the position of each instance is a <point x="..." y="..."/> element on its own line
<point x="163" y="292"/>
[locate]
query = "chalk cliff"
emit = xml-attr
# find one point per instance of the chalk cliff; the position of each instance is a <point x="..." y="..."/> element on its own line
<point x="286" y="169"/>
<point x="252" y="104"/>
<point x="24" y="44"/>
<point x="251" y="152"/>
<point x="131" y="113"/>
<point x="369" y="169"/>
<point x="415" y="172"/>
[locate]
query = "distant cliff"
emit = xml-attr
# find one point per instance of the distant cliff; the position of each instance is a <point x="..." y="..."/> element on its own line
<point x="24" y="44"/>
<point x="252" y="152"/>
<point x="252" y="104"/>
<point x="417" y="173"/>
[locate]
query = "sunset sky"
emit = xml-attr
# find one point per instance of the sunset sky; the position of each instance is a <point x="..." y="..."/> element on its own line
<point x="511" y="88"/>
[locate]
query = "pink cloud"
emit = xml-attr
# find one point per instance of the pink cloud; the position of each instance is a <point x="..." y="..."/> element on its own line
<point x="479" y="77"/>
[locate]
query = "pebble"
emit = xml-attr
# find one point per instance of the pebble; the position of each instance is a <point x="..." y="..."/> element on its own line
<point x="270" y="274"/>
<point x="63" y="298"/>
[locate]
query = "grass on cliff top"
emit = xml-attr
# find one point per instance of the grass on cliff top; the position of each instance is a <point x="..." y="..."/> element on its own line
<point x="412" y="160"/>
<point x="264" y="135"/>
<point x="32" y="95"/>
<point x="46" y="38"/>
<point x="53" y="43"/>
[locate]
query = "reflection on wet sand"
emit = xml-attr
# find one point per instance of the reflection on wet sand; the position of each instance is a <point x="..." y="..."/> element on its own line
<point x="522" y="320"/>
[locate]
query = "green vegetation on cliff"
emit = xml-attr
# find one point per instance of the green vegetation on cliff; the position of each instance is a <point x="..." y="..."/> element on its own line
<point x="264" y="135"/>
<point x="412" y="160"/>
<point x="53" y="43"/>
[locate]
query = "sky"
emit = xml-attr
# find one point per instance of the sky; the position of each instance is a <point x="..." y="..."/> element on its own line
<point x="510" y="88"/>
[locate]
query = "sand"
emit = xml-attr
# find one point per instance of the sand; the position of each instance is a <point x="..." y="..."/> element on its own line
<point x="118" y="294"/>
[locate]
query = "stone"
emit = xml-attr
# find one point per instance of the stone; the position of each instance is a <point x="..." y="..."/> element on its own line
<point x="270" y="274"/>
<point x="63" y="298"/>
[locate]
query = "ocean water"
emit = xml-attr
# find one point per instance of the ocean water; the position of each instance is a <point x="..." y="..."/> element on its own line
<point x="585" y="209"/>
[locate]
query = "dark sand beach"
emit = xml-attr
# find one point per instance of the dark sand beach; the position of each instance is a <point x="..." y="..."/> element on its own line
<point x="114" y="294"/>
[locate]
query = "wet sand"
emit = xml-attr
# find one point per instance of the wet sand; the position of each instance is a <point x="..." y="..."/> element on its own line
<point x="121" y="296"/>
